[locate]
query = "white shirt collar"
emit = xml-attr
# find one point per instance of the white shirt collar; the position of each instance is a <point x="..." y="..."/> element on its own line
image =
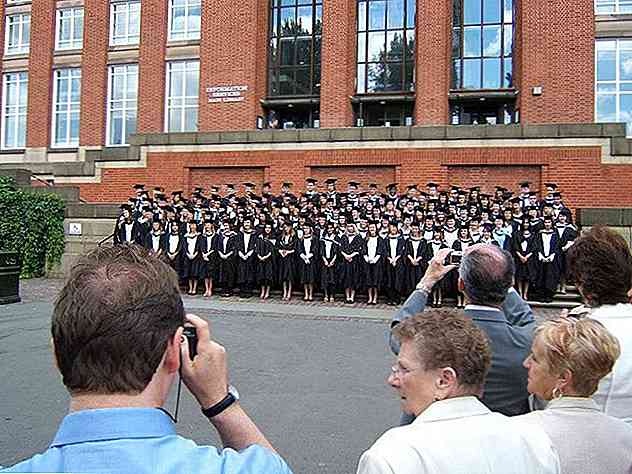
<point x="476" y="307"/>
<point x="453" y="408"/>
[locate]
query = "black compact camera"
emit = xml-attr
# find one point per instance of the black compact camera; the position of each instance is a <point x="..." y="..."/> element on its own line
<point x="455" y="258"/>
<point x="191" y="335"/>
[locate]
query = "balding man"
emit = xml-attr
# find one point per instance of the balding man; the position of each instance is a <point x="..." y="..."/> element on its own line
<point x="486" y="277"/>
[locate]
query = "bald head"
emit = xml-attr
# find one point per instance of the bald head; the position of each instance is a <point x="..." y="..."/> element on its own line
<point x="486" y="273"/>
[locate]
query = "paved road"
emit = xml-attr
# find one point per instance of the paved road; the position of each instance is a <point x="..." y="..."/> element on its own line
<point x="313" y="383"/>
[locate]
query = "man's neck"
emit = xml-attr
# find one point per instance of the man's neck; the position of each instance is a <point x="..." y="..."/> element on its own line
<point x="95" y="402"/>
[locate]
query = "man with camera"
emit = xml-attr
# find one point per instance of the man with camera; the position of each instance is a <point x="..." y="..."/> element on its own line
<point x="486" y="278"/>
<point x="117" y="333"/>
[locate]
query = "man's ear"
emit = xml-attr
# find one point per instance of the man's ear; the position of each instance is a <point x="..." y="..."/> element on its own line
<point x="172" y="353"/>
<point x="446" y="378"/>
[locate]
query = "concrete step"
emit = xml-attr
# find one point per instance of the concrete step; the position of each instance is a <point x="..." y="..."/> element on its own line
<point x="555" y="304"/>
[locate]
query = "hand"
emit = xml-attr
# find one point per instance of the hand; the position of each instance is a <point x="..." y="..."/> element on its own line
<point x="206" y="376"/>
<point x="436" y="269"/>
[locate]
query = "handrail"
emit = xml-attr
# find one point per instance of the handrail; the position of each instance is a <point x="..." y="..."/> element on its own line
<point x="105" y="239"/>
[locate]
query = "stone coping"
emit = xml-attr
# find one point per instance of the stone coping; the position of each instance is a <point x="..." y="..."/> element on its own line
<point x="612" y="217"/>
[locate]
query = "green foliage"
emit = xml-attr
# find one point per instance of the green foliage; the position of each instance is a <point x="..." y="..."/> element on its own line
<point x="33" y="225"/>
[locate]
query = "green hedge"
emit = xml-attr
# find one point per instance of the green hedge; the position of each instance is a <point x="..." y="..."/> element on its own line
<point x="33" y="225"/>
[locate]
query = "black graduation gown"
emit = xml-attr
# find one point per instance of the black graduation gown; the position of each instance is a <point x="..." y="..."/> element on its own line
<point x="525" y="271"/>
<point x="329" y="274"/>
<point x="208" y="252"/>
<point x="394" y="275"/>
<point x="120" y="233"/>
<point x="155" y="243"/>
<point x="174" y="253"/>
<point x="191" y="267"/>
<point x="450" y="285"/>
<point x="226" y="268"/>
<point x="286" y="264"/>
<point x="432" y="250"/>
<point x="351" y="271"/>
<point x="246" y="268"/>
<point x="414" y="273"/>
<point x="307" y="272"/>
<point x="265" y="268"/>
<point x="374" y="272"/>
<point x="568" y="234"/>
<point x="548" y="275"/>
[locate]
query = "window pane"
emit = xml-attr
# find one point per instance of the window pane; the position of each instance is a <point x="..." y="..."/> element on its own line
<point x="302" y="81"/>
<point x="508" y="73"/>
<point x="286" y="82"/>
<point x="409" y="79"/>
<point x="361" y="48"/>
<point x="508" y="43"/>
<point x="606" y="66"/>
<point x="287" y="51"/>
<point x="395" y="45"/>
<point x="377" y="14"/>
<point x="606" y="108"/>
<point x="376" y="77"/>
<point x="393" y="77"/>
<point x="376" y="46"/>
<point x="472" y="42"/>
<point x="411" y="7"/>
<point x="304" y="21"/>
<point x="491" y="11"/>
<point x="491" y="41"/>
<point x="193" y="83"/>
<point x="395" y="14"/>
<point x="456" y="42"/>
<point x="456" y="74"/>
<point x="361" y="78"/>
<point x="410" y="47"/>
<point x="491" y="73"/>
<point x="625" y="65"/>
<point x="508" y="11"/>
<point x="472" y="11"/>
<point x="361" y="16"/>
<point x="60" y="128"/>
<point x="471" y="74"/>
<point x="288" y="25"/>
<point x="175" y="120"/>
<point x="303" y="50"/>
<point x="190" y="120"/>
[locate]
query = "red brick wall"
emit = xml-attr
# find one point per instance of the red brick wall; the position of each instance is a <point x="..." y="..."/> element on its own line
<point x="583" y="180"/>
<point x="206" y="177"/>
<point x="2" y="27"/>
<point x="433" y="45"/>
<point x="338" y="63"/>
<point x="151" y="68"/>
<point x="556" y="49"/>
<point x="94" y="72"/>
<point x="40" y="73"/>
<point x="488" y="177"/>
<point x="230" y="51"/>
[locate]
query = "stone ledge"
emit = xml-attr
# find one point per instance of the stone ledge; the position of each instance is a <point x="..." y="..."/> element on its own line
<point x="613" y="217"/>
<point x="86" y="211"/>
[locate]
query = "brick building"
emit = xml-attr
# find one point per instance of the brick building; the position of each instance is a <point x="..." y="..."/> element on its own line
<point x="179" y="93"/>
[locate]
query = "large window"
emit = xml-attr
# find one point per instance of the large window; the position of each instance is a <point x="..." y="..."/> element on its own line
<point x="613" y="101"/>
<point x="183" y="82"/>
<point x="69" y="28"/>
<point x="66" y="107"/>
<point x="18" y="32"/>
<point x="386" y="46"/>
<point x="184" y="19"/>
<point x="124" y="23"/>
<point x="122" y="103"/>
<point x="482" y="43"/>
<point x="14" y="103"/>
<point x="613" y="6"/>
<point x="294" y="54"/>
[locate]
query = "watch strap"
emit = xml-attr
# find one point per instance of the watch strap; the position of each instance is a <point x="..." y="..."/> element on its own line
<point x="220" y="406"/>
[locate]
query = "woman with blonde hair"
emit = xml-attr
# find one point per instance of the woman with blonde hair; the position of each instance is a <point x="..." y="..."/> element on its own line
<point x="568" y="359"/>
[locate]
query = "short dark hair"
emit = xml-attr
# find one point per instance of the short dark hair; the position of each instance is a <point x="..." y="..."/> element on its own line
<point x="113" y="319"/>
<point x="600" y="264"/>
<point x="449" y="341"/>
<point x="487" y="272"/>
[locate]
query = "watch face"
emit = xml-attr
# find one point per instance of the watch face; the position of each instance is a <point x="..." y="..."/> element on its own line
<point x="233" y="391"/>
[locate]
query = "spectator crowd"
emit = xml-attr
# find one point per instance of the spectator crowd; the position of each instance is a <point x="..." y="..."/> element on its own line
<point x="361" y="241"/>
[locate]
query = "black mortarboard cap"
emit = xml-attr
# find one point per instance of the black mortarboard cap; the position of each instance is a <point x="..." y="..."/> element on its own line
<point x="392" y="186"/>
<point x="177" y="193"/>
<point x="311" y="180"/>
<point x="139" y="186"/>
<point x="287" y="184"/>
<point x="551" y="185"/>
<point x="354" y="183"/>
<point x="411" y="186"/>
<point x="331" y="180"/>
<point x="524" y="184"/>
<point x="432" y="185"/>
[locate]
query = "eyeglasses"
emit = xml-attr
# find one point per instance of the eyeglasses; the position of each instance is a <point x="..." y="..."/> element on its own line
<point x="398" y="371"/>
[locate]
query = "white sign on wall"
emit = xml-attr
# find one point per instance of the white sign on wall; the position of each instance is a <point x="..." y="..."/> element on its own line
<point x="74" y="228"/>
<point x="226" y="94"/>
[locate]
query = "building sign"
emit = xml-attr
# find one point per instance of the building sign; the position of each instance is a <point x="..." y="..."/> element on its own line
<point x="226" y="94"/>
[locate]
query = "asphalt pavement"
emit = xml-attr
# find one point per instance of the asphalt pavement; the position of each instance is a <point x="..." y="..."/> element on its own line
<point x="312" y="378"/>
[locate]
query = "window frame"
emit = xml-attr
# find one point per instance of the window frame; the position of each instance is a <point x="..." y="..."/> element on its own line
<point x="21" y="48"/>
<point x="74" y="43"/>
<point x="187" y="33"/>
<point x="405" y="63"/>
<point x="617" y="93"/>
<point x="184" y="107"/>
<point x="15" y="116"/>
<point x="69" y="142"/>
<point x="126" y="108"/>
<point x="275" y="68"/>
<point x="616" y="4"/>
<point x="503" y="57"/>
<point x="128" y="7"/>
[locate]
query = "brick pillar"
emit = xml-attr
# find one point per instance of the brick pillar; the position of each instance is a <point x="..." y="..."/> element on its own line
<point x="433" y="45"/>
<point x="94" y="72"/>
<point x="231" y="49"/>
<point x="151" y="68"/>
<point x="2" y="28"/>
<point x="338" y="63"/>
<point x="555" y="45"/>
<point x="40" y="73"/>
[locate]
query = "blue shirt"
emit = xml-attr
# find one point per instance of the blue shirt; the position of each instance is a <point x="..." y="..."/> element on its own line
<point x="140" y="440"/>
